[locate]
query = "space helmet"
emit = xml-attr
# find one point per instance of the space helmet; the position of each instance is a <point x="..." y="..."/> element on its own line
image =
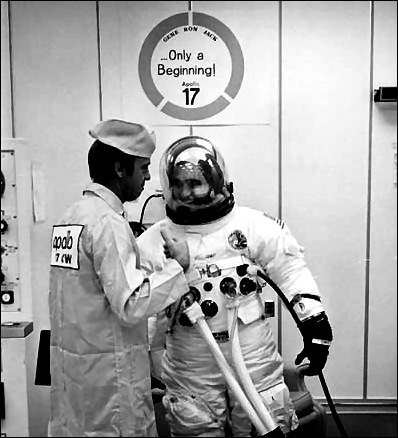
<point x="194" y="182"/>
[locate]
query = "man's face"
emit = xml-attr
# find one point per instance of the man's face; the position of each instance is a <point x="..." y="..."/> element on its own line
<point x="133" y="182"/>
<point x="190" y="186"/>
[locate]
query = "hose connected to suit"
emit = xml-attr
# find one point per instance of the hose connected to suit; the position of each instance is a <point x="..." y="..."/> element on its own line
<point x="243" y="373"/>
<point x="265" y="425"/>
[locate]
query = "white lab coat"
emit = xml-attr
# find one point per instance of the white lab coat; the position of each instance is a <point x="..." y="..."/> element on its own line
<point x="99" y="304"/>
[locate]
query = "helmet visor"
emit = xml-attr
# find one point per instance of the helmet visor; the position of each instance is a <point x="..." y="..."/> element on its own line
<point x="192" y="175"/>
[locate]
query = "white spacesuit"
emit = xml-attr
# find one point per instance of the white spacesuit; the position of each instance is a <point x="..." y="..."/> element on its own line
<point x="227" y="243"/>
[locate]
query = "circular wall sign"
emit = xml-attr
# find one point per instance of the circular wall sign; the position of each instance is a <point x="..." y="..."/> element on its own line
<point x="191" y="66"/>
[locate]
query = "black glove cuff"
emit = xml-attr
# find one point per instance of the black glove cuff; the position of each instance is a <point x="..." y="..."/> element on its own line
<point x="318" y="329"/>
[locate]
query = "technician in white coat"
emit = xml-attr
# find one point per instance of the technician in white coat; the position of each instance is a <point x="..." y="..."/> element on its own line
<point x="100" y="300"/>
<point x="227" y="243"/>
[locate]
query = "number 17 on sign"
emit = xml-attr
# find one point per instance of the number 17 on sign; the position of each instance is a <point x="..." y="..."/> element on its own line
<point x="190" y="95"/>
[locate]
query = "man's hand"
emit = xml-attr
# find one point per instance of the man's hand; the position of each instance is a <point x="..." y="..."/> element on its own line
<point x="175" y="249"/>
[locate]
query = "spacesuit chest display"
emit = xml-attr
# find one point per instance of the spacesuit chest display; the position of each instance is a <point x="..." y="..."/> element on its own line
<point x="224" y="284"/>
<point x="221" y="285"/>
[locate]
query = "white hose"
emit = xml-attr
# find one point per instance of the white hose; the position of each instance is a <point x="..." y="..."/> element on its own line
<point x="243" y="373"/>
<point x="207" y="335"/>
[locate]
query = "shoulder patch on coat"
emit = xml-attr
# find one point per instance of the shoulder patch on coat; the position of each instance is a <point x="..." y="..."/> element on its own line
<point x="65" y="246"/>
<point x="277" y="220"/>
<point x="237" y="240"/>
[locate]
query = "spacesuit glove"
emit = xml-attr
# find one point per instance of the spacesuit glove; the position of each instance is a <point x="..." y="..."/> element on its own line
<point x="317" y="337"/>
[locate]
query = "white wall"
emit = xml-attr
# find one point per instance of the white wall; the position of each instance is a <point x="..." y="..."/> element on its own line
<point x="314" y="146"/>
<point x="56" y="100"/>
<point x="325" y="141"/>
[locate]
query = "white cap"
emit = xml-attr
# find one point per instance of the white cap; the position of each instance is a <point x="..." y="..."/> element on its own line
<point x="130" y="138"/>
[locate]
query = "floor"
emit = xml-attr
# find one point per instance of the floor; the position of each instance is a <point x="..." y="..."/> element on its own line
<point x="355" y="425"/>
<point x="365" y="425"/>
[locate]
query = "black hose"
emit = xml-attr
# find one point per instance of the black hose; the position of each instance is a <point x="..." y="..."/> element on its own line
<point x="155" y="195"/>
<point x="335" y="416"/>
<point x="320" y="375"/>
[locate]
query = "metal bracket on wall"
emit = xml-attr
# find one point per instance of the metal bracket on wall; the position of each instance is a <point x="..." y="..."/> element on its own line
<point x="385" y="94"/>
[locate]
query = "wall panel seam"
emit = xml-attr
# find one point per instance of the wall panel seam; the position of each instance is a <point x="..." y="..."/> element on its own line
<point x="97" y="12"/>
<point x="368" y="213"/>
<point x="280" y="153"/>
<point x="11" y="70"/>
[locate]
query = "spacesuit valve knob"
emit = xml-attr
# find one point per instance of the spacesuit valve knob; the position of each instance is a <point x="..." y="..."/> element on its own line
<point x="186" y="302"/>
<point x="190" y="297"/>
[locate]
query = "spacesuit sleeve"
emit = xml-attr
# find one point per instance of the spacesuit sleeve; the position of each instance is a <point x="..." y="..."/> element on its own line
<point x="133" y="295"/>
<point x="282" y="258"/>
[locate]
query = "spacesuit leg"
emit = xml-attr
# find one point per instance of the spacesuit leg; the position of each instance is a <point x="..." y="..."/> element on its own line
<point x="195" y="400"/>
<point x="239" y="422"/>
<point x="190" y="412"/>
<point x="278" y="401"/>
<point x="265" y="367"/>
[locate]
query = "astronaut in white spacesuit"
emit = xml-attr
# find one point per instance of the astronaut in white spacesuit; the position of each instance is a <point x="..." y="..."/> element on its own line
<point x="225" y="241"/>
